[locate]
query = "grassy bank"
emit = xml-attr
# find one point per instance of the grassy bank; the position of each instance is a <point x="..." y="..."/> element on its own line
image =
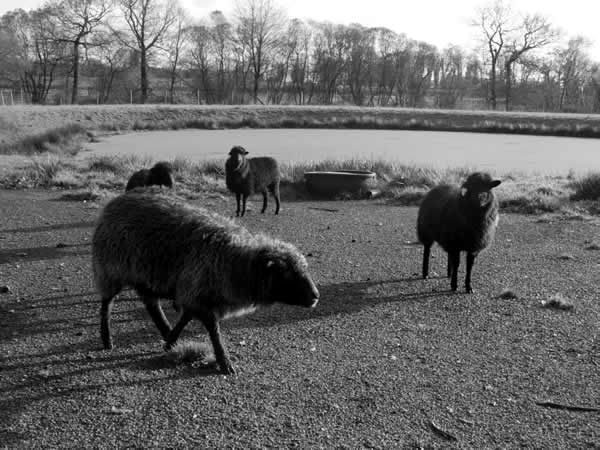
<point x="19" y="123"/>
<point x="398" y="184"/>
<point x="52" y="135"/>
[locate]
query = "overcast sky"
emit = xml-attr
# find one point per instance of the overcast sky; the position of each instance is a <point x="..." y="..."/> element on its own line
<point x="439" y="22"/>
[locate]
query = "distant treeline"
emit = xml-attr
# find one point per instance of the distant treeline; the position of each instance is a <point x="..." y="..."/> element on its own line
<point x="122" y="51"/>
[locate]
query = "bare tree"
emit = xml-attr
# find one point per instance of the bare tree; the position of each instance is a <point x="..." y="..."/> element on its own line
<point x="494" y="22"/>
<point x="222" y="42"/>
<point x="260" y="27"/>
<point x="149" y="21"/>
<point x="37" y="54"/>
<point x="200" y="36"/>
<point x="111" y="59"/>
<point x="78" y="19"/>
<point x="534" y="32"/>
<point x="574" y="65"/>
<point x="176" y="40"/>
<point x="595" y="81"/>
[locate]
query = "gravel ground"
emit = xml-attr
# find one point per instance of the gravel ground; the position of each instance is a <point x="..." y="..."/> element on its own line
<point x="385" y="360"/>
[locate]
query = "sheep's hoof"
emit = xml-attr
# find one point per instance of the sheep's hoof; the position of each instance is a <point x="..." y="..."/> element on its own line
<point x="469" y="290"/>
<point x="227" y="369"/>
<point x="108" y="346"/>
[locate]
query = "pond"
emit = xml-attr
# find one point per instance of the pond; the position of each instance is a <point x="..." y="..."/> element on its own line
<point x="493" y="152"/>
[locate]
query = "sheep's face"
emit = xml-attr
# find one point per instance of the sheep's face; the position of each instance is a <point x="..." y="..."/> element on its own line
<point x="477" y="189"/>
<point x="287" y="281"/>
<point x="237" y="156"/>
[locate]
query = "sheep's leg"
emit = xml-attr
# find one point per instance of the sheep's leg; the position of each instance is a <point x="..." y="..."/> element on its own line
<point x="108" y="291"/>
<point x="449" y="270"/>
<point x="244" y="198"/>
<point x="426" y="253"/>
<point x="105" y="310"/>
<point x="275" y="192"/>
<point x="470" y="261"/>
<point x="455" y="262"/>
<point x="177" y="329"/>
<point x="212" y="326"/>
<point x="237" y="200"/>
<point x="265" y="200"/>
<point x="158" y="316"/>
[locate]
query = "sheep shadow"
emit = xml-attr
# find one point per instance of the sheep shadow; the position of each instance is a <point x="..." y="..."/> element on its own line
<point x="343" y="298"/>
<point x="56" y="227"/>
<point x="43" y="253"/>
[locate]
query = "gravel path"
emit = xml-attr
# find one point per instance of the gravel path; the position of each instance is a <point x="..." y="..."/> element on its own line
<point x="385" y="360"/>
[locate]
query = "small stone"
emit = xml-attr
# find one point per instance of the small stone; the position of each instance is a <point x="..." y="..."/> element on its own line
<point x="4" y="290"/>
<point x="115" y="410"/>
<point x="61" y="245"/>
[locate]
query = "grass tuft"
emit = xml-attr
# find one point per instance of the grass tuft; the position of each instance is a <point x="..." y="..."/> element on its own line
<point x="587" y="187"/>
<point x="188" y="351"/>
<point x="59" y="140"/>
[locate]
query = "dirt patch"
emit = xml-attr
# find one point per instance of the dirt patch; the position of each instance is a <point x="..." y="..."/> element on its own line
<point x="385" y="360"/>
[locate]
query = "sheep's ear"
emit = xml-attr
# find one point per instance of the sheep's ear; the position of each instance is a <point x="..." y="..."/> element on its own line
<point x="463" y="191"/>
<point x="495" y="183"/>
<point x="244" y="151"/>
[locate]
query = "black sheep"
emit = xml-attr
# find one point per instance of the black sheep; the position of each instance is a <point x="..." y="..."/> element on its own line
<point x="459" y="219"/>
<point x="211" y="267"/>
<point x="160" y="175"/>
<point x="246" y="176"/>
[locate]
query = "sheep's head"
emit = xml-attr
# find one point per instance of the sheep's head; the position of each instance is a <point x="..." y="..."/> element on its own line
<point x="161" y="174"/>
<point x="477" y="189"/>
<point x="237" y="156"/>
<point x="287" y="280"/>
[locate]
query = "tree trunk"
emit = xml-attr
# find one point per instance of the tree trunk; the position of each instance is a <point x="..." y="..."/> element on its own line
<point x="255" y="89"/>
<point x="74" y="93"/>
<point x="493" y="85"/>
<point x="143" y="76"/>
<point x="508" y="67"/>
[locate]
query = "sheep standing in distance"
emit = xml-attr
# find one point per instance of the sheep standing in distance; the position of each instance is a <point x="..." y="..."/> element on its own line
<point x="246" y="176"/>
<point x="209" y="266"/>
<point x="459" y="219"/>
<point x="161" y="174"/>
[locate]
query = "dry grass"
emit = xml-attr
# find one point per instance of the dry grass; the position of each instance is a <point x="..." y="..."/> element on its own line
<point x="400" y="184"/>
<point x="187" y="351"/>
<point x="16" y="122"/>
<point x="63" y="128"/>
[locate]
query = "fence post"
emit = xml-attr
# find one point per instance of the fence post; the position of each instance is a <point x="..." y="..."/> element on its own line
<point x="12" y="100"/>
<point x="131" y="96"/>
<point x="2" y="96"/>
<point x="198" y="95"/>
<point x="22" y="99"/>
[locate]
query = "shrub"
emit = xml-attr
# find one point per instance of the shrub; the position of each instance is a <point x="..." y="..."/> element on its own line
<point x="587" y="187"/>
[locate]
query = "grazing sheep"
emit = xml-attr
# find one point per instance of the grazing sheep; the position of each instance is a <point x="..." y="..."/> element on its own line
<point x="459" y="219"/>
<point x="210" y="267"/>
<point x="246" y="176"/>
<point x="160" y="174"/>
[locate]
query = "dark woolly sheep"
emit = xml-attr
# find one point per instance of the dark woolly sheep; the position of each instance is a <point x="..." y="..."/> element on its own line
<point x="210" y="267"/>
<point x="246" y="176"/>
<point x="459" y="219"/>
<point x="160" y="175"/>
